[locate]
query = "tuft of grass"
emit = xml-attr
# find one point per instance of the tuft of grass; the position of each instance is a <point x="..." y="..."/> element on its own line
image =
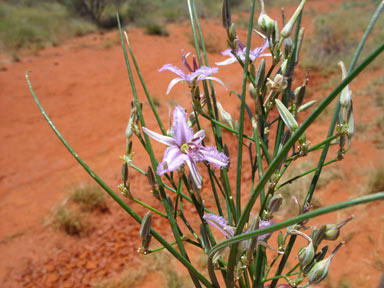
<point x="335" y="36"/>
<point x="156" y="102"/>
<point x="70" y="221"/>
<point x="38" y="25"/>
<point x="343" y="282"/>
<point x="90" y="197"/>
<point x="160" y="263"/>
<point x="375" y="180"/>
<point x="211" y="41"/>
<point x="156" y="28"/>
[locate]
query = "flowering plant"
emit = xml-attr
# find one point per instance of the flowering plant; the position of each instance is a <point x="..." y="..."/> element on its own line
<point x="247" y="229"/>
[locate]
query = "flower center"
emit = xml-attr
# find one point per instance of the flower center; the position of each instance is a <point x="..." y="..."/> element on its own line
<point x="184" y="148"/>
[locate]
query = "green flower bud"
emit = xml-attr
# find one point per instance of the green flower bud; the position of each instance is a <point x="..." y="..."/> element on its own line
<point x="287" y="117"/>
<point x="287" y="30"/>
<point x="252" y="91"/>
<point x="320" y="269"/>
<point x="346" y="94"/>
<point x="332" y="231"/>
<point x="225" y="116"/>
<point x="260" y="76"/>
<point x="306" y="255"/>
<point x="266" y="23"/>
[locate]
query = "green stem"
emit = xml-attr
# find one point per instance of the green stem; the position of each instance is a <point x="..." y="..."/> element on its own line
<point x="128" y="209"/>
<point x="148" y="207"/>
<point x="279" y="157"/>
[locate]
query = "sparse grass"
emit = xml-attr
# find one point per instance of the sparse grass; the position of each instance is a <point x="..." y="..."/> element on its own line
<point x="378" y="263"/>
<point x="375" y="180"/>
<point x="160" y="263"/>
<point x="156" y="102"/>
<point x="212" y="42"/>
<point x="156" y="28"/>
<point x="36" y="26"/>
<point x="336" y="36"/>
<point x="343" y="282"/>
<point x="70" y="221"/>
<point x="90" y="197"/>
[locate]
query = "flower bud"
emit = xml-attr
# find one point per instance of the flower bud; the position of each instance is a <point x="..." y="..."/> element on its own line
<point x="284" y="67"/>
<point x="299" y="43"/>
<point x="225" y="116"/>
<point x="306" y="255"/>
<point x="252" y="91"/>
<point x="275" y="203"/>
<point x="286" y="116"/>
<point x="124" y="173"/>
<point x="320" y="269"/>
<point x="346" y="94"/>
<point x="266" y="23"/>
<point x="306" y="106"/>
<point x="332" y="231"/>
<point x="288" y="44"/>
<point x="287" y="30"/>
<point x="278" y="84"/>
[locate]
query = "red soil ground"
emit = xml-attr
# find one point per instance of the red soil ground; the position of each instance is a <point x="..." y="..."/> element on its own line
<point x="84" y="87"/>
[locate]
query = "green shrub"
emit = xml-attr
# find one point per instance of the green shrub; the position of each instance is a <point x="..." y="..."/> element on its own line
<point x="37" y="26"/>
<point x="90" y="197"/>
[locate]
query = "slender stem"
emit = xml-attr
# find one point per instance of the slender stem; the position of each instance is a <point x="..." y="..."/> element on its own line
<point x="148" y="207"/>
<point x="127" y="208"/>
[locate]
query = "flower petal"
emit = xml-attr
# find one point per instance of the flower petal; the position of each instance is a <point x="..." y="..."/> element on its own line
<point x="220" y="223"/>
<point x="198" y="137"/>
<point x="194" y="172"/>
<point x="181" y="131"/>
<point x="173" y="69"/>
<point x="228" y="61"/>
<point x="217" y="80"/>
<point x="173" y="159"/>
<point x="173" y="83"/>
<point x="213" y="156"/>
<point x="160" y="138"/>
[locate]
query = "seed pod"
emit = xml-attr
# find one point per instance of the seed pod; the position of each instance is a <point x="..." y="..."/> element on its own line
<point x="345" y="97"/>
<point x="318" y="236"/>
<point x="260" y="76"/>
<point x="124" y="173"/>
<point x="299" y="43"/>
<point x="226" y="16"/>
<point x="332" y="231"/>
<point x="145" y="232"/>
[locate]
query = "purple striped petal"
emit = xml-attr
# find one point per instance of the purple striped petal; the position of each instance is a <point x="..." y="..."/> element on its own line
<point x="160" y="138"/>
<point x="194" y="172"/>
<point x="173" y="69"/>
<point x="172" y="160"/>
<point x="198" y="137"/>
<point x="213" y="156"/>
<point x="181" y="131"/>
<point x="173" y="83"/>
<point x="220" y="223"/>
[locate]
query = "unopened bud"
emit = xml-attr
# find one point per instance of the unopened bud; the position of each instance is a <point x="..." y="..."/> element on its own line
<point x="275" y="203"/>
<point x="287" y="30"/>
<point x="288" y="44"/>
<point x="306" y="106"/>
<point x="299" y="43"/>
<point x="346" y="94"/>
<point x="286" y="116"/>
<point x="225" y="116"/>
<point x="332" y="231"/>
<point x="124" y="173"/>
<point x="260" y="76"/>
<point x="318" y="236"/>
<point x="306" y="255"/>
<point x="252" y="91"/>
<point x="284" y="67"/>
<point x="320" y="269"/>
<point x="266" y="23"/>
<point x="232" y="32"/>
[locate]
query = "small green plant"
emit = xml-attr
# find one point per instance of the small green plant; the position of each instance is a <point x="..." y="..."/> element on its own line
<point x="156" y="28"/>
<point x="375" y="180"/>
<point x="89" y="196"/>
<point x="68" y="220"/>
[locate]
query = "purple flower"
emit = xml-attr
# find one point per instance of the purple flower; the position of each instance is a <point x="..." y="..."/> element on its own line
<point x="193" y="75"/>
<point x="241" y="52"/>
<point x="220" y="223"/>
<point x="185" y="147"/>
